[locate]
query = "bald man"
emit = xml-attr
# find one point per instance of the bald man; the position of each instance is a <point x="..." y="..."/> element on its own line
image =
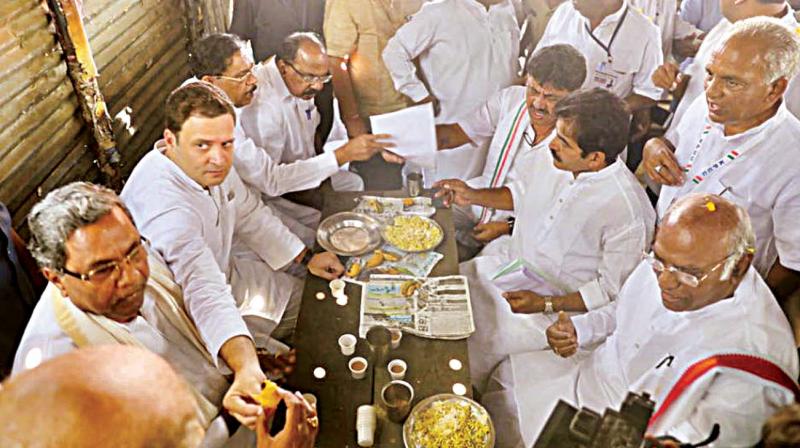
<point x="87" y="399"/>
<point x="694" y="296"/>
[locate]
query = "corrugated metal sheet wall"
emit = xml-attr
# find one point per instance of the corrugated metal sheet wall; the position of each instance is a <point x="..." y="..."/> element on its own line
<point x="140" y="48"/>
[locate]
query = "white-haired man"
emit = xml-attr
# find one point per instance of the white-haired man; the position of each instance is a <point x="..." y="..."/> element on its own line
<point x="739" y="140"/>
<point x="690" y="81"/>
<point x="695" y="305"/>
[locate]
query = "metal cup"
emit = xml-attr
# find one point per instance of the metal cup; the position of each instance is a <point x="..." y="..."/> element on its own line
<point x="397" y="397"/>
<point x="379" y="339"/>
<point x="414" y="184"/>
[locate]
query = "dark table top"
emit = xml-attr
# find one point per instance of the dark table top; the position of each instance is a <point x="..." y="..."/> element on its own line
<point x="319" y="326"/>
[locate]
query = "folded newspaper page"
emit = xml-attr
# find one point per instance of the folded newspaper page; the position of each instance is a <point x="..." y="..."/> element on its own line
<point x="434" y="307"/>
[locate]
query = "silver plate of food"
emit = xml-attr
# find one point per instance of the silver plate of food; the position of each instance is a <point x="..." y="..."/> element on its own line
<point x="413" y="233"/>
<point x="349" y="233"/>
<point x="448" y="420"/>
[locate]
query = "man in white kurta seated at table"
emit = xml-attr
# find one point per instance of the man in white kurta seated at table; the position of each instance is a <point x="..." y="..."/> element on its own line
<point x="221" y="242"/>
<point x="264" y="163"/>
<point x="689" y="83"/>
<point x="695" y="296"/>
<point x="466" y="50"/>
<point x="107" y="287"/>
<point x="579" y="235"/>
<point x="520" y="121"/>
<point x="739" y="140"/>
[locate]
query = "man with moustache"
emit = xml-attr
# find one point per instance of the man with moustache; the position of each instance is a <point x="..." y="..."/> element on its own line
<point x="230" y="255"/>
<point x="688" y="84"/>
<point x="739" y="140"/>
<point x="275" y="129"/>
<point x="696" y="305"/>
<point x="579" y="235"/>
<point x="106" y="286"/>
<point x="520" y="121"/>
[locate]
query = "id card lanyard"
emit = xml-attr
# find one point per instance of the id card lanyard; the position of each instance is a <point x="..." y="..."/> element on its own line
<point x="607" y="47"/>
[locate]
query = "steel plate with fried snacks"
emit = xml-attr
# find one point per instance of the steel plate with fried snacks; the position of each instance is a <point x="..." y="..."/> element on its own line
<point x="349" y="233"/>
<point x="448" y="421"/>
<point x="411" y="233"/>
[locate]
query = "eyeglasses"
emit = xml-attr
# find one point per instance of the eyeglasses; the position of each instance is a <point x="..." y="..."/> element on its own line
<point x="100" y="274"/>
<point x="684" y="277"/>
<point x="311" y="79"/>
<point x="240" y="79"/>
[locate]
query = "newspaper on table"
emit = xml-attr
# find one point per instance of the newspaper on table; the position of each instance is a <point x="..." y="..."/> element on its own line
<point x="386" y="208"/>
<point x="433" y="307"/>
<point x="394" y="262"/>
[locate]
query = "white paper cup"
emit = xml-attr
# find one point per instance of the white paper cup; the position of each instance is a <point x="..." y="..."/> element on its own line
<point x="397" y="369"/>
<point x="337" y="287"/>
<point x="347" y="344"/>
<point x="358" y="367"/>
<point x="397" y="336"/>
<point x="366" y="421"/>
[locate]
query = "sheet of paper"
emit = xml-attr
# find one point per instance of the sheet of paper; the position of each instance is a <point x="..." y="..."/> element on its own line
<point x="413" y="133"/>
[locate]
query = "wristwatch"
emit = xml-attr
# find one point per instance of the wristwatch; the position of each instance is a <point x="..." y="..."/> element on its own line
<point x="511" y="221"/>
<point x="548" y="305"/>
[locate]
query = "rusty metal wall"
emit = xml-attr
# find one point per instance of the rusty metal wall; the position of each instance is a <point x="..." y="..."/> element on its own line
<point x="140" y="48"/>
<point x="217" y="15"/>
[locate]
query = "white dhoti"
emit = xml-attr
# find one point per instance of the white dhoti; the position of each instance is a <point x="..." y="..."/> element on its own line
<point x="301" y="220"/>
<point x="268" y="300"/>
<point x="499" y="332"/>
<point x="545" y="378"/>
<point x="346" y="181"/>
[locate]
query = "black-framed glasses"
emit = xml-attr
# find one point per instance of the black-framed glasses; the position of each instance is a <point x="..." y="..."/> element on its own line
<point x="100" y="274"/>
<point x="311" y="79"/>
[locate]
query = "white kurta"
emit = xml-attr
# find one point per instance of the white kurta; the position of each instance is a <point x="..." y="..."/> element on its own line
<point x="664" y="13"/>
<point x="585" y="234"/>
<point x="697" y="69"/>
<point x="203" y="234"/>
<point x="764" y="179"/>
<point x="703" y="14"/>
<point x="466" y="54"/>
<point x="635" y="52"/>
<point x="645" y="348"/>
<point x="495" y="120"/>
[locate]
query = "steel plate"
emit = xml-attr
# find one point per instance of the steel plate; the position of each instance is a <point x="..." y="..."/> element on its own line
<point x="349" y="233"/>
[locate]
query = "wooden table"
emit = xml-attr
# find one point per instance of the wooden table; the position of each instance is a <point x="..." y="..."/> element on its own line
<point x="319" y="326"/>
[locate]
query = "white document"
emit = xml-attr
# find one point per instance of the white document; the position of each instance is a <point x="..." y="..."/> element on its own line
<point x="413" y="133"/>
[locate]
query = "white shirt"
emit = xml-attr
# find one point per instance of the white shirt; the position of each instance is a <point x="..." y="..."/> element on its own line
<point x="466" y="53"/>
<point x="697" y="69"/>
<point x="260" y="166"/>
<point x="495" y="119"/>
<point x="194" y="229"/>
<point x="664" y="13"/>
<point x="635" y="52"/>
<point x="43" y="339"/>
<point x="764" y="180"/>
<point x="639" y="333"/>
<point x="704" y="14"/>
<point x="584" y="234"/>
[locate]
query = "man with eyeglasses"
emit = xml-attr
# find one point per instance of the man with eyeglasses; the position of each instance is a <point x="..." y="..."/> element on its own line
<point x="275" y="125"/>
<point x="694" y="326"/>
<point x="740" y="140"/>
<point x="106" y="286"/>
<point x="577" y="237"/>
<point x="520" y="121"/>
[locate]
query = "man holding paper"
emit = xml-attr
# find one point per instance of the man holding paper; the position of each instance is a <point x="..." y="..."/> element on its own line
<point x="521" y="123"/>
<point x="576" y="240"/>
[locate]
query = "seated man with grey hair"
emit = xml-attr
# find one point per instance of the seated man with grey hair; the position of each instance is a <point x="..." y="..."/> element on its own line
<point x="106" y="286"/>
<point x="694" y="326"/>
<point x="521" y="123"/>
<point x="740" y="141"/>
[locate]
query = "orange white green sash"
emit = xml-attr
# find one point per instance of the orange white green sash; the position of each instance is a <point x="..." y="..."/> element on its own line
<point x="505" y="158"/>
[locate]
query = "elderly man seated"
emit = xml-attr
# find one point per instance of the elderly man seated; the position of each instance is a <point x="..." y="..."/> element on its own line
<point x="107" y="287"/>
<point x="224" y="246"/>
<point x="694" y="298"/>
<point x="576" y="239"/>
<point x="113" y="396"/>
<point x="276" y="123"/>
<point x="740" y="141"/>
<point x="520" y="121"/>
